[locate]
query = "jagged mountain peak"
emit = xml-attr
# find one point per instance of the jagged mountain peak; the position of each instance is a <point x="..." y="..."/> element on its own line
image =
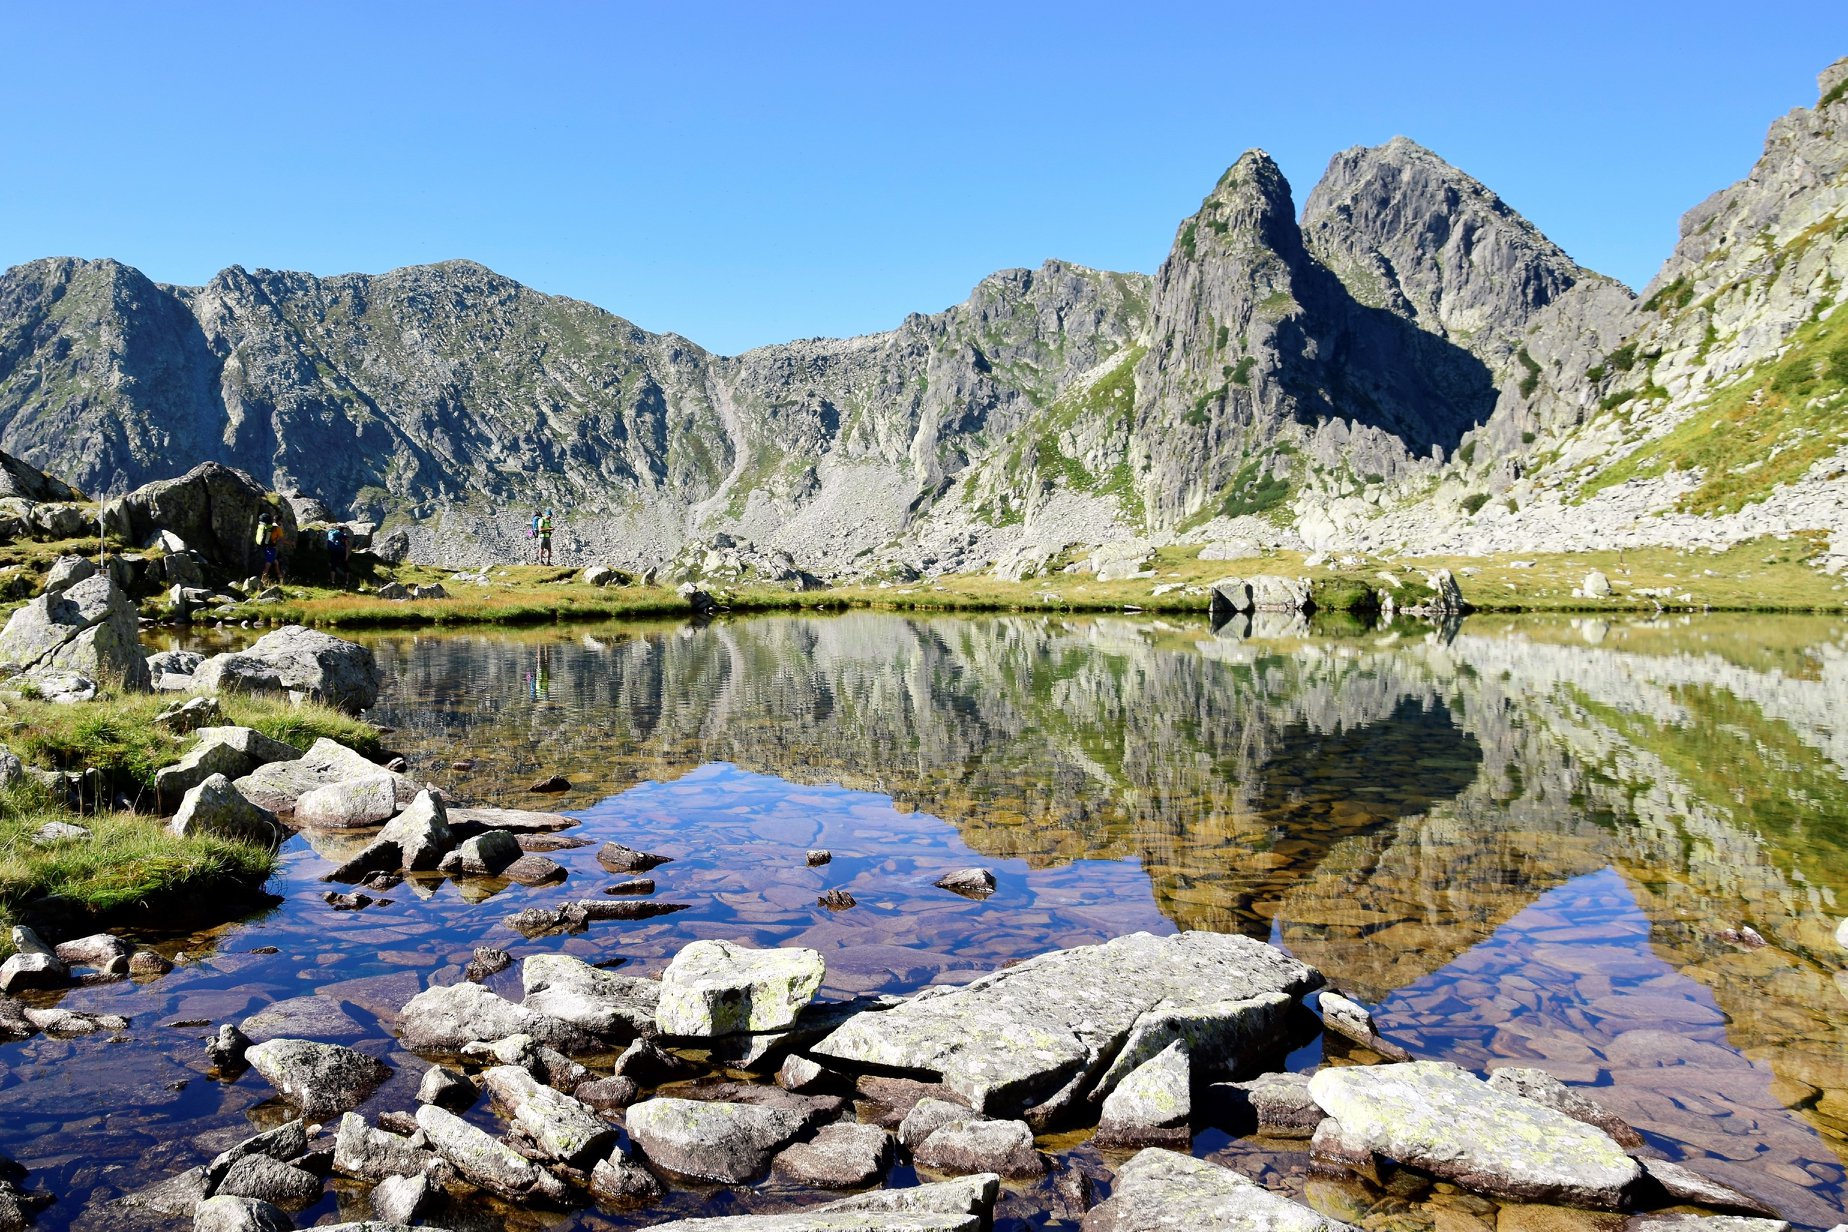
<point x="1407" y="231"/>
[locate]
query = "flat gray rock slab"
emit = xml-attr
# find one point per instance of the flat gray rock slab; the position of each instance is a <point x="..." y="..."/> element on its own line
<point x="1165" y="1189"/>
<point x="1447" y="1121"/>
<point x="1013" y="1038"/>
<point x="599" y="1003"/>
<point x="962" y="1205"/>
<point x="450" y="1017"/>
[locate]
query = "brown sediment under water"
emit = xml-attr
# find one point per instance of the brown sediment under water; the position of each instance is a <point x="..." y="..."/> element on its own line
<point x="1523" y="842"/>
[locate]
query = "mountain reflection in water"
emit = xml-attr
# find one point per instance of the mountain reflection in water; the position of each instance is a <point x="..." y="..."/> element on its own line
<point x="1522" y="842"/>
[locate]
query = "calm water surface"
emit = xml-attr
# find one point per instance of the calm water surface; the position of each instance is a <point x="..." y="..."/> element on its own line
<point x="1522" y="844"/>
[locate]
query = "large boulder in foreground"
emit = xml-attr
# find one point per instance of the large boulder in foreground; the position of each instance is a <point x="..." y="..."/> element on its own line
<point x="90" y="629"/>
<point x="1035" y="1036"/>
<point x="1165" y="1189"/>
<point x="319" y="666"/>
<point x="1435" y="1116"/>
<point x="213" y="508"/>
<point x="216" y="807"/>
<point x="279" y="785"/>
<point x="717" y="988"/>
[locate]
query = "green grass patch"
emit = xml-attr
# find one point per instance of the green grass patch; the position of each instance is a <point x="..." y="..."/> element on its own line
<point x="1531" y="381"/>
<point x="128" y="865"/>
<point x="116" y="734"/>
<point x="1767" y="428"/>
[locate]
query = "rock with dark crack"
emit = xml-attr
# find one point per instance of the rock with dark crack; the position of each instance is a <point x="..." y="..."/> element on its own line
<point x="1440" y="1118"/>
<point x="1542" y="1088"/>
<point x="449" y="1017"/>
<point x="844" y="1155"/>
<point x="711" y="1140"/>
<point x="714" y="988"/>
<point x="486" y="1161"/>
<point x="1046" y="1030"/>
<point x="978" y="1145"/>
<point x="320" y="1079"/>
<point x="560" y="1126"/>
<point x="1153" y="1105"/>
<point x="600" y="1003"/>
<point x="1164" y="1189"/>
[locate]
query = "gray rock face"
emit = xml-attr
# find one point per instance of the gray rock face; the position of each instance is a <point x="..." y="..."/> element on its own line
<point x="716" y="988"/>
<point x="209" y="757"/>
<point x="348" y="805"/>
<point x="212" y="507"/>
<point x="217" y="807"/>
<point x="320" y="666"/>
<point x="279" y="785"/>
<point x="23" y="971"/>
<point x="976" y="1145"/>
<point x="1542" y="1088"/>
<point x="1017" y="1037"/>
<point x="401" y="1199"/>
<point x="89" y="629"/>
<point x="228" y="1213"/>
<point x="1437" y="1117"/>
<point x="270" y="1180"/>
<point x="447" y="1018"/>
<point x="622" y="1181"/>
<point x="1165" y="1189"/>
<point x="446" y="1089"/>
<point x="484" y="1160"/>
<point x="421" y="833"/>
<point x="233" y="673"/>
<point x="1280" y="1104"/>
<point x="1686" y="1185"/>
<point x="845" y="1155"/>
<point x="963" y="1205"/>
<point x="560" y="1126"/>
<point x="483" y="855"/>
<point x="711" y="1140"/>
<point x="1153" y="1104"/>
<point x="26" y="482"/>
<point x="597" y="1003"/>
<point x="369" y="1154"/>
<point x="320" y="1079"/>
<point x="66" y="572"/>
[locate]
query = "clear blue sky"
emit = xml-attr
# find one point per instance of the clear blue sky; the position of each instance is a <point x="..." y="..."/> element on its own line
<point x="748" y="173"/>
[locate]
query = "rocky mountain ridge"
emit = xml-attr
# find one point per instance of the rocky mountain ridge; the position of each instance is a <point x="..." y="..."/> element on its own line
<point x="1412" y="366"/>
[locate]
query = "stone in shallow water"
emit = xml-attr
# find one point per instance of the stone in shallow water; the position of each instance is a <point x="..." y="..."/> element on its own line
<point x="1686" y="1185"/>
<point x="485" y="1160"/>
<point x="598" y="1003"/>
<point x="1437" y="1117"/>
<point x="320" y="1079"/>
<point x="717" y="988"/>
<point x="845" y="1155"/>
<point x="1014" y="1037"/>
<point x="620" y="859"/>
<point x="1279" y="1104"/>
<point x="1165" y="1189"/>
<point x="969" y="882"/>
<point x="975" y="1145"/>
<point x="710" y="1140"/>
<point x="228" y="1213"/>
<point x="1542" y="1088"/>
<point x="449" y="1017"/>
<point x="962" y="1205"/>
<point x="562" y="1127"/>
<point x="1153" y="1105"/>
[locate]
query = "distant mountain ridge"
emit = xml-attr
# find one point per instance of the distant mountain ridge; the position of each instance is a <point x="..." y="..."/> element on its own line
<point x="1410" y="364"/>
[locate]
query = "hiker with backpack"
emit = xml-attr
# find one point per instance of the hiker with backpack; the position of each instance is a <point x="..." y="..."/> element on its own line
<point x="268" y="541"/>
<point x="339" y="555"/>
<point x="542" y="526"/>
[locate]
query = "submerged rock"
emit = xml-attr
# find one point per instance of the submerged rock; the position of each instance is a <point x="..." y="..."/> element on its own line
<point x="619" y="859"/>
<point x="1043" y="1031"/>
<point x="969" y="882"/>
<point x="1165" y="1189"/>
<point x="716" y="988"/>
<point x="710" y="1140"/>
<point x="1438" y="1117"/>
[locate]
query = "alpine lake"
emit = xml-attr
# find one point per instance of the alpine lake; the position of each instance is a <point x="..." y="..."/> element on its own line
<point x="1530" y="842"/>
